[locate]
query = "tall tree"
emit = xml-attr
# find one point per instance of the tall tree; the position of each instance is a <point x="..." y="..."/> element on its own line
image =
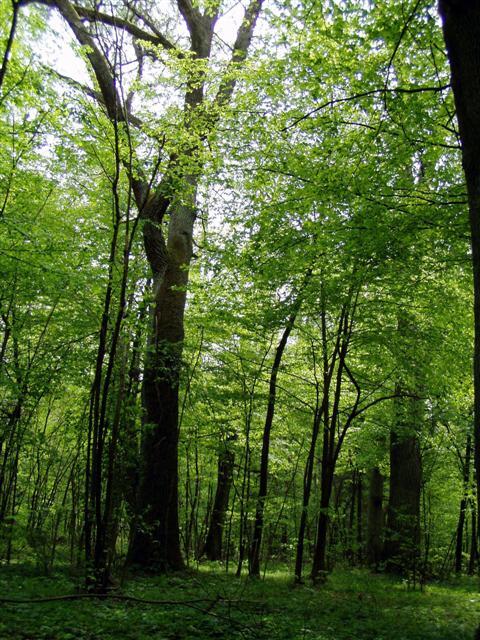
<point x="155" y="541"/>
<point x="461" y="30"/>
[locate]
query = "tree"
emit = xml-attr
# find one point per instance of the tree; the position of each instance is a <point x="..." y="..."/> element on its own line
<point x="461" y="30"/>
<point x="155" y="539"/>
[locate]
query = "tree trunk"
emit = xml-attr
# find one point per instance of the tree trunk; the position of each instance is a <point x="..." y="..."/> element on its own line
<point x="463" y="506"/>
<point x="320" y="555"/>
<point x="254" y="568"/>
<point x="213" y="545"/>
<point x="307" y="489"/>
<point x="156" y="538"/>
<point x="403" y="518"/>
<point x="461" y="30"/>
<point x="375" y="518"/>
<point x="473" y="559"/>
<point x="359" y="518"/>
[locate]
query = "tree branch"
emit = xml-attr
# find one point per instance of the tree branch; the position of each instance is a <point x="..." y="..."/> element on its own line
<point x="91" y="93"/>
<point x="11" y="36"/>
<point x="239" y="53"/>
<point x="365" y="94"/>
<point x="99" y="64"/>
<point x="92" y="15"/>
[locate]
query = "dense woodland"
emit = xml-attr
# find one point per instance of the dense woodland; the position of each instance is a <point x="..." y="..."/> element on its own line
<point x="240" y="297"/>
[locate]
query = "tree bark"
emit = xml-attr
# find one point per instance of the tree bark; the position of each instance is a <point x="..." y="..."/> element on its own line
<point x="213" y="546"/>
<point x="375" y="518"/>
<point x="320" y="554"/>
<point x="156" y="541"/>
<point x="473" y="559"/>
<point x="461" y="30"/>
<point x="403" y="517"/>
<point x="254" y="568"/>
<point x="307" y="489"/>
<point x="359" y="518"/>
<point x="463" y="506"/>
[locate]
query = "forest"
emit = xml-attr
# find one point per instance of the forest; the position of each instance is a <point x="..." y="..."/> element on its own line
<point x="239" y="319"/>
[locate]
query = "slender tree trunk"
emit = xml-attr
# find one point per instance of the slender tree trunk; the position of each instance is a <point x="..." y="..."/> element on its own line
<point x="254" y="567"/>
<point x="463" y="506"/>
<point x="359" y="518"/>
<point x="320" y="554"/>
<point x="244" y="505"/>
<point x="333" y="435"/>
<point x="375" y="518"/>
<point x="11" y="37"/>
<point x="321" y="410"/>
<point x="349" y="534"/>
<point x="330" y="452"/>
<point x="307" y="490"/>
<point x="461" y="30"/>
<point x="473" y="559"/>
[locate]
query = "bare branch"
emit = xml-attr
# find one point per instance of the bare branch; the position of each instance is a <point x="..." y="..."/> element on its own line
<point x="146" y="21"/>
<point x="90" y="92"/>
<point x="240" y="49"/>
<point x="92" y="15"/>
<point x="357" y="96"/>
<point x="98" y="61"/>
<point x="11" y="36"/>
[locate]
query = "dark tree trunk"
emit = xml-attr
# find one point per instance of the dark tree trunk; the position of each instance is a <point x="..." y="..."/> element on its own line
<point x="156" y="538"/>
<point x="330" y="450"/>
<point x="403" y="517"/>
<point x="461" y="30"/>
<point x="256" y="543"/>
<point x="375" y="518"/>
<point x="319" y="565"/>
<point x="463" y="506"/>
<point x="359" y="518"/>
<point x="321" y="414"/>
<point x="349" y="533"/>
<point x="333" y="433"/>
<point x="473" y="559"/>
<point x="213" y="546"/>
<point x="307" y="489"/>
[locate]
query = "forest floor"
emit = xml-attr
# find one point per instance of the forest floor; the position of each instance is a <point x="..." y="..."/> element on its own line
<point x="353" y="604"/>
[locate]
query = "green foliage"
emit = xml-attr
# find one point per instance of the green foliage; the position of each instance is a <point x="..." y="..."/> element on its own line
<point x="353" y="605"/>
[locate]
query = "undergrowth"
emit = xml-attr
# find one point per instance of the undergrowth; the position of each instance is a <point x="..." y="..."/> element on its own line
<point x="351" y="605"/>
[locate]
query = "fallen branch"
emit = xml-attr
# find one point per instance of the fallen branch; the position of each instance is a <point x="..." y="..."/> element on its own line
<point x="108" y="596"/>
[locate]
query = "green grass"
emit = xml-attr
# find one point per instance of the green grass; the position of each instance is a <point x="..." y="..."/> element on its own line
<point x="351" y="605"/>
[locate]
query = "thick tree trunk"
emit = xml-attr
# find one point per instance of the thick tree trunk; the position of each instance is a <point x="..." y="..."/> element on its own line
<point x="375" y="518"/>
<point x="156" y="539"/>
<point x="461" y="30"/>
<point x="403" y="518"/>
<point x="213" y="546"/>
